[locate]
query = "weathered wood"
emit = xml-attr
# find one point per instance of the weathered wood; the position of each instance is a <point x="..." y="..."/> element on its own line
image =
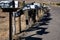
<point x="13" y="24"/>
<point x="26" y="19"/>
<point x="20" y="24"/>
<point x="37" y="18"/>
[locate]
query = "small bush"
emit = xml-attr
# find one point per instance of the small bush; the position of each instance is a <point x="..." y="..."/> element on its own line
<point x="58" y="4"/>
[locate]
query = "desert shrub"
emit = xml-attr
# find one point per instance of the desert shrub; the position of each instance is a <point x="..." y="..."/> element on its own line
<point x="58" y="4"/>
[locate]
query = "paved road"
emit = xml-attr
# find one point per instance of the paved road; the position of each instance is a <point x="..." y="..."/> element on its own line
<point x="48" y="31"/>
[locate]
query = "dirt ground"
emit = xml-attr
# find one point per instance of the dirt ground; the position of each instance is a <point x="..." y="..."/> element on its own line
<point x="4" y="25"/>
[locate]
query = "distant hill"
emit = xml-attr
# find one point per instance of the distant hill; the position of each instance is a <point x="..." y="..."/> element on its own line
<point x="37" y="0"/>
<point x="44" y="0"/>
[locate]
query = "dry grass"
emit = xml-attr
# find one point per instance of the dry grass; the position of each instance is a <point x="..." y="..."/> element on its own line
<point x="4" y="23"/>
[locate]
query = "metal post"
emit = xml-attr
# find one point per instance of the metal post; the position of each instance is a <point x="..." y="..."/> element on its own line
<point x="10" y="25"/>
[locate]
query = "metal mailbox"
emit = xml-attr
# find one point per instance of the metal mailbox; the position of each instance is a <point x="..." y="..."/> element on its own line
<point x="8" y="4"/>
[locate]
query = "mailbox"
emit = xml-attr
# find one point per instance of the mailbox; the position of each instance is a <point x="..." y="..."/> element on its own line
<point x="8" y="4"/>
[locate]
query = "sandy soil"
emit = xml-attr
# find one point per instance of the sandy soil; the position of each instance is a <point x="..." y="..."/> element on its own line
<point x="4" y="25"/>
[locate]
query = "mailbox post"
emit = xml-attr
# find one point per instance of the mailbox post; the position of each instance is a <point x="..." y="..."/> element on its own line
<point x="10" y="25"/>
<point x="10" y="10"/>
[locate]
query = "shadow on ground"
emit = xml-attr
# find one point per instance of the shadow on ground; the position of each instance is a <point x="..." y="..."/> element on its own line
<point x="45" y="21"/>
<point x="30" y="38"/>
<point x="42" y="31"/>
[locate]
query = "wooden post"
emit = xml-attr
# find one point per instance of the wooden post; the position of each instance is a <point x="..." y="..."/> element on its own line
<point x="14" y="24"/>
<point x="30" y="17"/>
<point x="39" y="14"/>
<point x="20" y="23"/>
<point x="36" y="15"/>
<point x="27" y="19"/>
<point x="42" y="12"/>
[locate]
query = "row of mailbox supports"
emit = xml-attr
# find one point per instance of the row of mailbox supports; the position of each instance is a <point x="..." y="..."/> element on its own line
<point x="25" y="20"/>
<point x="31" y="16"/>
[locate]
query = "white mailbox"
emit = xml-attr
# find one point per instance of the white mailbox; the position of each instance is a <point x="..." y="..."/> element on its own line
<point x="8" y="4"/>
<point x="16" y="4"/>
